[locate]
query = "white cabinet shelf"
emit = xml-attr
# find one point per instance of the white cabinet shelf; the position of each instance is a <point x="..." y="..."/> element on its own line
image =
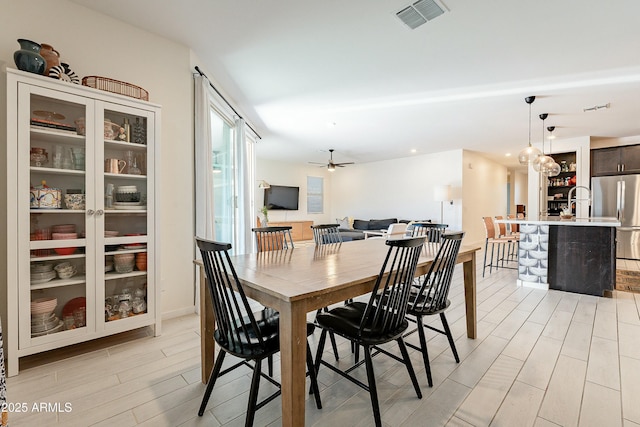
<point x="75" y="280"/>
<point x="90" y="303"/>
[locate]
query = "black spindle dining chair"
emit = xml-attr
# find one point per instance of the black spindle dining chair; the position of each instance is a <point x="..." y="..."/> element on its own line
<point x="239" y="332"/>
<point x="379" y="321"/>
<point x="324" y="234"/>
<point x="431" y="297"/>
<point x="273" y="238"/>
<point x="327" y="234"/>
<point x="433" y="232"/>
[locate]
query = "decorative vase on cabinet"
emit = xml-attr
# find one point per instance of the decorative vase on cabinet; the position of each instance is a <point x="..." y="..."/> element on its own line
<point x="66" y="275"/>
<point x="50" y="55"/>
<point x="28" y="58"/>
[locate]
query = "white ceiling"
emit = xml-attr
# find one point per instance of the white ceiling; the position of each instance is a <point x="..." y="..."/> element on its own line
<point x="294" y="68"/>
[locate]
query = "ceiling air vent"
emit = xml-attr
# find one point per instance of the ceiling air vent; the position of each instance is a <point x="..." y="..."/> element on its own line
<point x="419" y="13"/>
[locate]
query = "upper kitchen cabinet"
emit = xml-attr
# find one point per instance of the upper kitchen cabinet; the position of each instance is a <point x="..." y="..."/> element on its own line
<point x="615" y="160"/>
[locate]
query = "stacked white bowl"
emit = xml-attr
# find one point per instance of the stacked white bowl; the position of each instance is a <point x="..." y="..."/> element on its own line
<point x="127" y="194"/>
<point x="65" y="270"/>
<point x="124" y="262"/>
<point x="43" y="319"/>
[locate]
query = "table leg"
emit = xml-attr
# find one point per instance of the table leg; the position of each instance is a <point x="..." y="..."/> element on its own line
<point x="293" y="347"/>
<point x="469" y="269"/>
<point x="207" y="327"/>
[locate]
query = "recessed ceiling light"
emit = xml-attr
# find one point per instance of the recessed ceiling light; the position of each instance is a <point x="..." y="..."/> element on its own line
<point x="413" y="150"/>
<point x="508" y="155"/>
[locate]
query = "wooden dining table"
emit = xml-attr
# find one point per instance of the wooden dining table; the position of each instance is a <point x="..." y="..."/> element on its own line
<point x="302" y="280"/>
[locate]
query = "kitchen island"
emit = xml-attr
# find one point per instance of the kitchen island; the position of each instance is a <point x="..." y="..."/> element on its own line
<point x="573" y="255"/>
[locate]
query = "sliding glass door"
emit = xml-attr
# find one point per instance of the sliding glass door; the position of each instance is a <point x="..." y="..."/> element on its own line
<point x="223" y="178"/>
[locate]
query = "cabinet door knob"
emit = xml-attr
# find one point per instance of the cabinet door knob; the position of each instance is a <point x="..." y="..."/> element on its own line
<point x="99" y="212"/>
<point x="90" y="212"/>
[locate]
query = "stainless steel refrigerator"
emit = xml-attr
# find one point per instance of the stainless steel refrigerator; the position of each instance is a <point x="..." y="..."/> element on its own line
<point x="619" y="197"/>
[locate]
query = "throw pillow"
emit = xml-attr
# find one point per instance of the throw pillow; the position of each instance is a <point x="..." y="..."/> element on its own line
<point x="343" y="223"/>
<point x="359" y="224"/>
<point x="381" y="224"/>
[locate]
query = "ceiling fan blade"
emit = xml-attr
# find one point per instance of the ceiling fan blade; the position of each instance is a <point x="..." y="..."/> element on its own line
<point x="317" y="163"/>
<point x="344" y="163"/>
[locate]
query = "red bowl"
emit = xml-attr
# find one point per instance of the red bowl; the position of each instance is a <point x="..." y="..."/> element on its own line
<point x="65" y="251"/>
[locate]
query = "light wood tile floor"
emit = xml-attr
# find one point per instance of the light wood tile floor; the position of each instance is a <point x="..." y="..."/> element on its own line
<point x="542" y="358"/>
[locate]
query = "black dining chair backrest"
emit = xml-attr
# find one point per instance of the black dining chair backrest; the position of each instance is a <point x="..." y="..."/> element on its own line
<point x="434" y="290"/>
<point x="236" y="326"/>
<point x="273" y="238"/>
<point x="325" y="234"/>
<point x="248" y="336"/>
<point x="433" y="232"/>
<point x="385" y="315"/>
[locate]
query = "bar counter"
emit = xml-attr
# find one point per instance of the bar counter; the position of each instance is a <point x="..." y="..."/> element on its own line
<point x="573" y="255"/>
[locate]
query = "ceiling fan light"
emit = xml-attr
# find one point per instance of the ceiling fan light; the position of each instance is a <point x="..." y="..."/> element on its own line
<point x="331" y="167"/>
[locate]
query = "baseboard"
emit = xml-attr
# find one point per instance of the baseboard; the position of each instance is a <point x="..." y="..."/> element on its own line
<point x="179" y="312"/>
<point x="543" y="286"/>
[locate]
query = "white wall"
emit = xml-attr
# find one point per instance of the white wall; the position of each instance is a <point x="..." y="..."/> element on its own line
<point x="601" y="142"/>
<point x="93" y="44"/>
<point x="294" y="175"/>
<point x="403" y="189"/>
<point x="400" y="188"/>
<point x="518" y="189"/>
<point x="521" y="192"/>
<point x="484" y="193"/>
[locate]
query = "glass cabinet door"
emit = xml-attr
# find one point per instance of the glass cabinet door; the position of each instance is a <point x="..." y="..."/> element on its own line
<point x="54" y="155"/>
<point x="125" y="195"/>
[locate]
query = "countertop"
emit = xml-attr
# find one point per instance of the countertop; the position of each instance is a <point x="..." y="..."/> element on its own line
<point x="556" y="220"/>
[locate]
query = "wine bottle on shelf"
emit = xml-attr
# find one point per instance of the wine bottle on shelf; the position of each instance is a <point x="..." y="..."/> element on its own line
<point x="127" y="130"/>
<point x="139" y="133"/>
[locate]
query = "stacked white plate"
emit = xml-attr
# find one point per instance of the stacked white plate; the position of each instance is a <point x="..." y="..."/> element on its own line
<point x="43" y="319"/>
<point x="128" y="205"/>
<point x="42" y="273"/>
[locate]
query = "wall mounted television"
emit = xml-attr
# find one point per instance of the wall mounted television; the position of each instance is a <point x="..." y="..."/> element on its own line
<point x="280" y="197"/>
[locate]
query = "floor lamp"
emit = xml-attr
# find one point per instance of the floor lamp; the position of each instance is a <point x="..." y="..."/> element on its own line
<point x="442" y="193"/>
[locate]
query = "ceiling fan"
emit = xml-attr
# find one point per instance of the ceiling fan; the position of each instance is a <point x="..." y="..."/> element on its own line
<point x="331" y="166"/>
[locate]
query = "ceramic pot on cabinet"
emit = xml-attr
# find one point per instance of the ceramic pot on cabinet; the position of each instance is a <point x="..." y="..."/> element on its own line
<point x="50" y="55"/>
<point x="28" y="58"/>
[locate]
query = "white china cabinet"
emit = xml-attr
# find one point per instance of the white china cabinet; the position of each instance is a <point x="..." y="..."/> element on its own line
<point x="82" y="218"/>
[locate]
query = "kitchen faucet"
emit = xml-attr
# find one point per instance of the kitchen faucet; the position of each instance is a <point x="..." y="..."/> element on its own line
<point x="576" y="199"/>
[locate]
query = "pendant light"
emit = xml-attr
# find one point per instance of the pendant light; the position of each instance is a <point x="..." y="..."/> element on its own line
<point x="529" y="154"/>
<point x="550" y="167"/>
<point x="541" y="162"/>
<point x="555" y="168"/>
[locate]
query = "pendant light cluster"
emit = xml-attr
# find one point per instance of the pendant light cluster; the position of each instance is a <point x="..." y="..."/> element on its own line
<point x="540" y="162"/>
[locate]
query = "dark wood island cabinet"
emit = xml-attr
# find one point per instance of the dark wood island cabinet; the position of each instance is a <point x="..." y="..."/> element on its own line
<point x="582" y="259"/>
